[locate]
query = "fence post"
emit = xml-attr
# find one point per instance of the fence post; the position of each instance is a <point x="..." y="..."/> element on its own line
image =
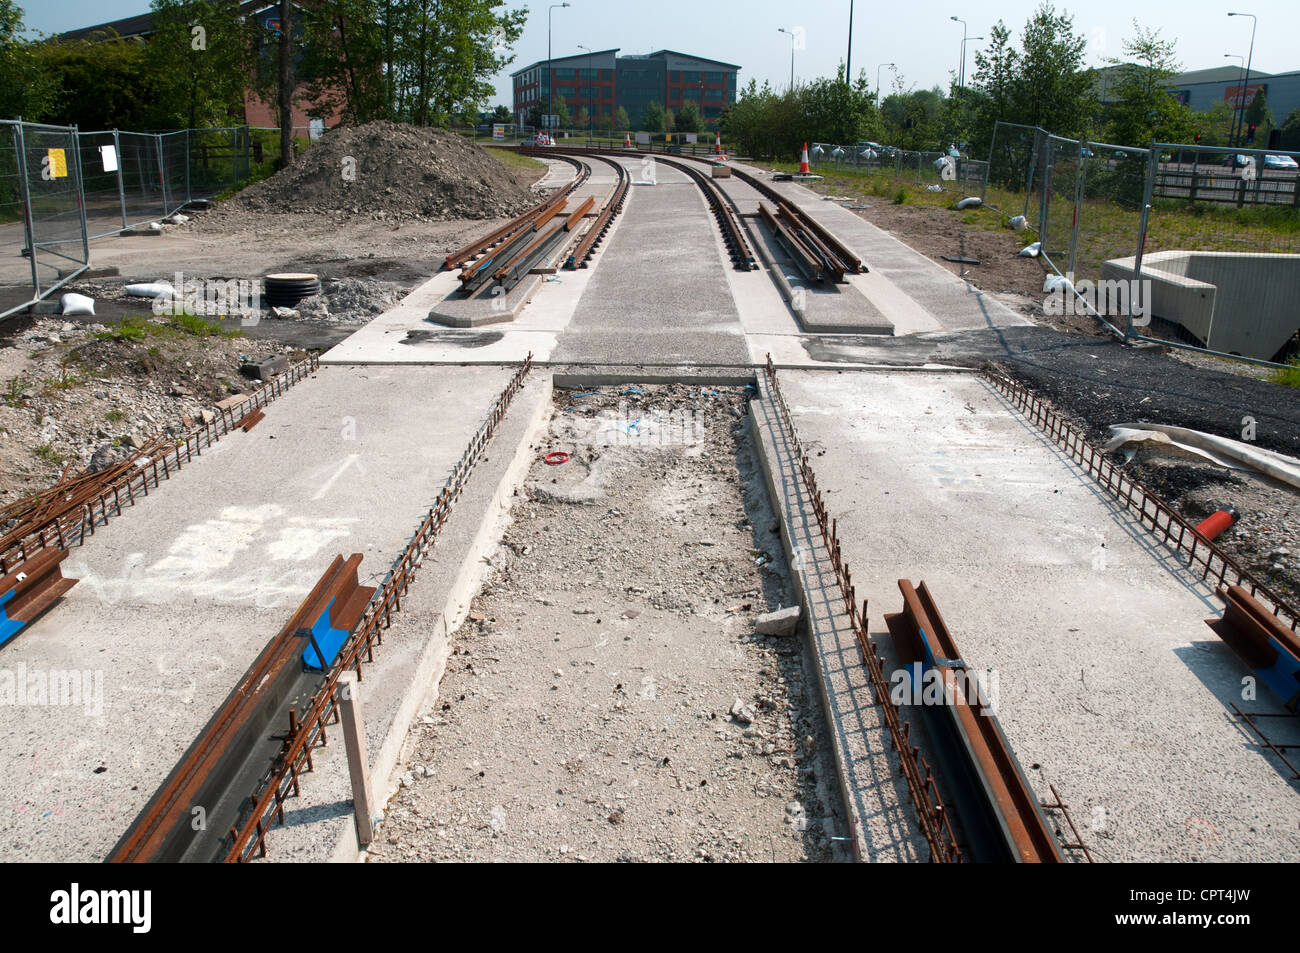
<point x="28" y="221"/>
<point x="80" y="186"/>
<point x="1153" y="169"/>
<point x="1078" y="202"/>
<point x="354" y="743"/>
<point x="162" y="173"/>
<point x="1045" y="197"/>
<point x="121" y="187"/>
<point x="188" y="158"/>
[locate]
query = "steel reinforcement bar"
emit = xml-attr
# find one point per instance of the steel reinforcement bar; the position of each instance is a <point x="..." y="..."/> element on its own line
<point x="65" y="513"/>
<point x="1151" y="511"/>
<point x="282" y="781"/>
<point x="930" y="808"/>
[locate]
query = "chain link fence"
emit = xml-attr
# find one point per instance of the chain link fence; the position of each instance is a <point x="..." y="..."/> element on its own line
<point x="1188" y="246"/>
<point x="61" y="188"/>
<point x="43" y="242"/>
<point x="934" y="171"/>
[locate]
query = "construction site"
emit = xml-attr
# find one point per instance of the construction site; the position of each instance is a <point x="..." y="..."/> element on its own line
<point x="570" y="504"/>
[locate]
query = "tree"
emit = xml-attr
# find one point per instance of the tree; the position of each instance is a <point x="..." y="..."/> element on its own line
<point x="583" y="118"/>
<point x="502" y="114"/>
<point x="1290" y="129"/>
<point x="25" y="89"/>
<point x="560" y="110"/>
<point x="653" y="120"/>
<point x="284" y="83"/>
<point x="1258" y="115"/>
<point x="605" y="124"/>
<point x="202" y="51"/>
<point x="1144" y="107"/>
<point x="101" y="85"/>
<point x="621" y="122"/>
<point x="688" y="117"/>
<point x="341" y="57"/>
<point x="835" y="111"/>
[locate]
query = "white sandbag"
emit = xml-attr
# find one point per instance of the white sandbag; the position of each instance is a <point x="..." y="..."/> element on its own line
<point x="155" y="289"/>
<point x="77" y="304"/>
<point x="973" y="201"/>
<point x="1030" y="251"/>
<point x="1019" y="223"/>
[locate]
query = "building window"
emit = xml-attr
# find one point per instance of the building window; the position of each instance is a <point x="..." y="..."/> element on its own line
<point x="713" y="94"/>
<point x="690" y="76"/>
<point x="713" y="77"/>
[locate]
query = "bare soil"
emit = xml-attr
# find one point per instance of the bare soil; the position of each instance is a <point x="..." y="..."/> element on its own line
<point x="608" y="698"/>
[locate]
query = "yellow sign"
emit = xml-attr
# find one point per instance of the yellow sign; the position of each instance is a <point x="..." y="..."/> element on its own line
<point x="58" y="163"/>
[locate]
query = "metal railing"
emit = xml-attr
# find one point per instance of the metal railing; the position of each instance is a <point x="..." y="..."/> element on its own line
<point x="935" y="171"/>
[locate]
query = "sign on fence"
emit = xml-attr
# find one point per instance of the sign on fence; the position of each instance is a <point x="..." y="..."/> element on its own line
<point x="108" y="157"/>
<point x="498" y="132"/>
<point x="315" y="129"/>
<point x="643" y="138"/>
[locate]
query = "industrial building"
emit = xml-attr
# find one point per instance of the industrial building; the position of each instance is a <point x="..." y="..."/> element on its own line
<point x="602" y="81"/>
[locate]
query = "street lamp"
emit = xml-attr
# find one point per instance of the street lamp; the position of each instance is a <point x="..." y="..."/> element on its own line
<point x="962" y="84"/>
<point x="848" y="59"/>
<point x="790" y="33"/>
<point x="1241" y="68"/>
<point x="878" y="69"/>
<point x="550" y="80"/>
<point x="588" y="49"/>
<point x="962" y="66"/>
<point x="1246" y="85"/>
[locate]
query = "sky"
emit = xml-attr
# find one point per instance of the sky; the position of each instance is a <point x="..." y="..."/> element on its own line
<point x="918" y="37"/>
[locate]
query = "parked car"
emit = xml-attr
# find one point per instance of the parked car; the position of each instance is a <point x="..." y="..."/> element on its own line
<point x="1280" y="162"/>
<point x="1239" y="161"/>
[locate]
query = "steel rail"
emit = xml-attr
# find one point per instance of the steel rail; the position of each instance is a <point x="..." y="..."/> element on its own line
<point x="481" y="245"/>
<point x="64" y="514"/>
<point x="1143" y="502"/>
<point x="810" y="264"/>
<point x="999" y="814"/>
<point x="832" y="262"/>
<point x="163" y="831"/>
<point x="282" y="780"/>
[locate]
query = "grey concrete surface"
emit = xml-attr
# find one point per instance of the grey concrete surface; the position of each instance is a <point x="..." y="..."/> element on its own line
<point x="660" y="293"/>
<point x="179" y="594"/>
<point x="1109" y="683"/>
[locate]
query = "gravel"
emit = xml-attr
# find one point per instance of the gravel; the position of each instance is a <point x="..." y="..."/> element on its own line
<point x="608" y="698"/>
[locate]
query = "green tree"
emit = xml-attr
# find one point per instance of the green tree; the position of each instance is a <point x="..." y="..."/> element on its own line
<point x="653" y="121"/>
<point x="835" y="111"/>
<point x="621" y="122"/>
<point x="1260" y="116"/>
<point x="502" y="114"/>
<point x="201" y="49"/>
<point x="688" y="117"/>
<point x="25" y="88"/>
<point x="1144" y="107"/>
<point x="102" y="85"/>
<point x="1290" y="138"/>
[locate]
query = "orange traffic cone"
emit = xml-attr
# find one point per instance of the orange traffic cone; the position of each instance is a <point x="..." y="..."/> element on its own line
<point x="803" y="162"/>
<point x="627" y="140"/>
<point x="717" y="144"/>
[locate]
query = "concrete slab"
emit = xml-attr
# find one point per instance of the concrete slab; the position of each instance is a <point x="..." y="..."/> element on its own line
<point x="1109" y="683"/>
<point x="659" y="295"/>
<point x="179" y="595"/>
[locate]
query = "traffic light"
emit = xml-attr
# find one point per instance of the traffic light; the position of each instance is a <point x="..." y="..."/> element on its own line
<point x="1250" y="133"/>
<point x="1198" y="138"/>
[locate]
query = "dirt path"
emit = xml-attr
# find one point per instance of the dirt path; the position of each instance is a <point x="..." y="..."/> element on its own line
<point x="609" y="698"/>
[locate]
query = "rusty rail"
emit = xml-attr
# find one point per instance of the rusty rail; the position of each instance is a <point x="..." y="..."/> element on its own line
<point x="1151" y="511"/>
<point x="29" y="589"/>
<point x="1269" y="649"/>
<point x="587" y="244"/>
<point x="931" y="811"/>
<point x="998" y="811"/>
<point x="65" y="513"/>
<point x="481" y="245"/>
<point x="308" y="731"/>
<point x="163" y="831"/>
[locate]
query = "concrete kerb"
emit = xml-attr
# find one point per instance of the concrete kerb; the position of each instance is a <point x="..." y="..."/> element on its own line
<point x="882" y="821"/>
<point x="469" y="536"/>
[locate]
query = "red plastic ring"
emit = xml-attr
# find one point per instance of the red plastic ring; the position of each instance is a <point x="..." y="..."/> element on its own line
<point x="556" y="458"/>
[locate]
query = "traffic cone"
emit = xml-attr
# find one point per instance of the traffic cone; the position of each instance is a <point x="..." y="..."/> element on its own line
<point x="627" y="140"/>
<point x="804" y="169"/>
<point x="717" y="144"/>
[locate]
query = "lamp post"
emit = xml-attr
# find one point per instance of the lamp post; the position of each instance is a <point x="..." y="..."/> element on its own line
<point x="878" y="69"/>
<point x="588" y="49"/>
<point x="848" y="59"/>
<point x="789" y="33"/>
<point x="1241" y="68"/>
<point x="1246" y="85"/>
<point x="962" y="66"/>
<point x="962" y="84"/>
<point x="550" y="80"/>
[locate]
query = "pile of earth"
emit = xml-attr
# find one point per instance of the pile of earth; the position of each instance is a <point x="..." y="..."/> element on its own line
<point x="391" y="171"/>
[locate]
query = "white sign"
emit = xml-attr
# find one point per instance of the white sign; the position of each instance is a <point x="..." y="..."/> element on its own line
<point x="643" y="138"/>
<point x="315" y="129"/>
<point x="498" y="131"/>
<point x="692" y="137"/>
<point x="108" y="155"/>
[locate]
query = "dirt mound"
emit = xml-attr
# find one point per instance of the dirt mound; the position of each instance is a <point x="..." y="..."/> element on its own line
<point x="391" y="171"/>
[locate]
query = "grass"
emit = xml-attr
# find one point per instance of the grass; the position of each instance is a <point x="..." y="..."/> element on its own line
<point x="1288" y="376"/>
<point x="47" y="453"/>
<point x="115" y="416"/>
<point x="515" y="162"/>
<point x="135" y="327"/>
<point x="15" y="394"/>
<point x="66" y="380"/>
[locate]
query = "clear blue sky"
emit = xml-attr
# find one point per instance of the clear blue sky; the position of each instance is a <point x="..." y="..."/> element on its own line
<point x="919" y="37"/>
